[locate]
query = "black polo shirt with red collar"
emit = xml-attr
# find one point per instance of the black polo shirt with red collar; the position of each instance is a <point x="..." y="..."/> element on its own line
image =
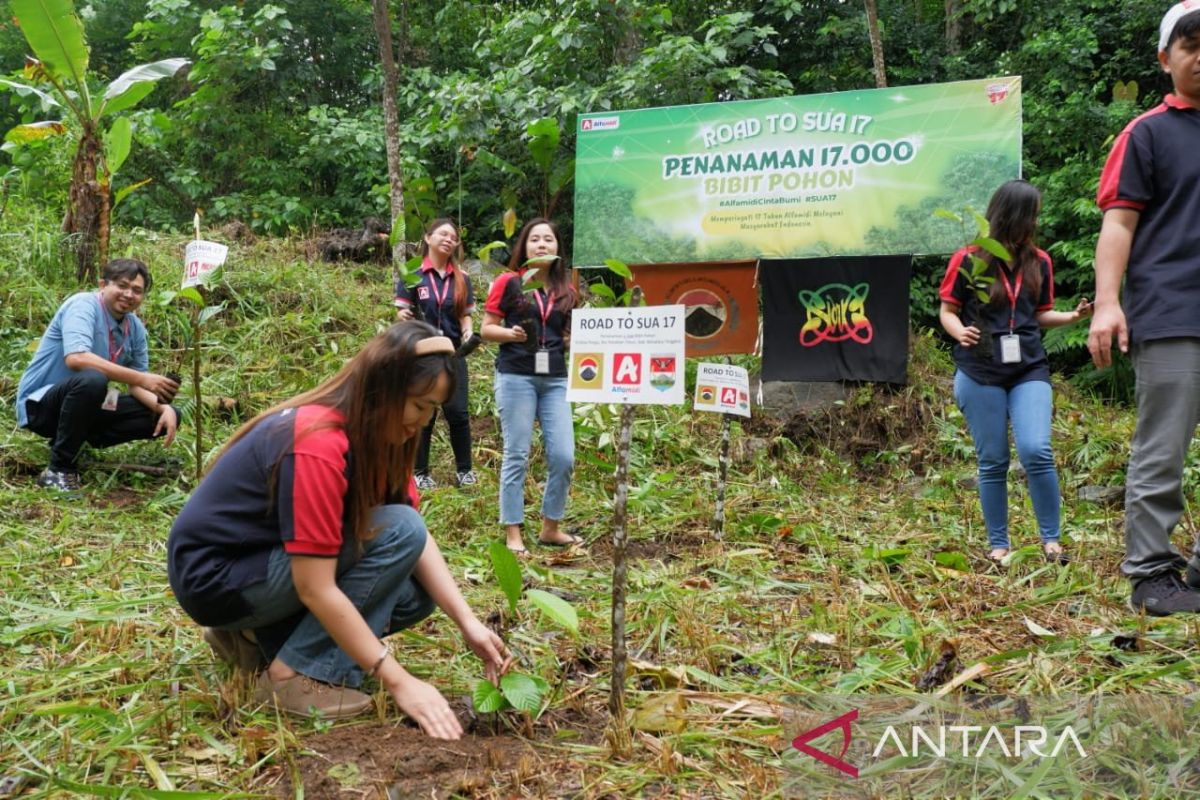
<point x="282" y="484"/>
<point x="435" y="297"/>
<point x="982" y="363"/>
<point x="543" y="322"/>
<point x="1154" y="169"/>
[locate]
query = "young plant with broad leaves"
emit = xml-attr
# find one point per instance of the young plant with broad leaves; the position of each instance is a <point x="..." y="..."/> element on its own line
<point x="976" y="275"/>
<point x="518" y="690"/>
<point x="57" y="74"/>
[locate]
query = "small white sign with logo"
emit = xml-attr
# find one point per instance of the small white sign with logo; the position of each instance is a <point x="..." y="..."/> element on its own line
<point x="201" y="258"/>
<point x="627" y="355"/>
<point x="722" y="388"/>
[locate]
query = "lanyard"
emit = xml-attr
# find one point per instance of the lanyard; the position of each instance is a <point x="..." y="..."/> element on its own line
<point x="439" y="298"/>
<point x="545" y="310"/>
<point x="114" y="352"/>
<point x="1013" y="294"/>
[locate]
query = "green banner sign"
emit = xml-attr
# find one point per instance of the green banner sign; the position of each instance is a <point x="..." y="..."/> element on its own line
<point x="851" y="173"/>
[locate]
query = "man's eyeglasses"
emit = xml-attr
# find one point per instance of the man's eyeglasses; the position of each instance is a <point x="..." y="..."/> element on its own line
<point x="124" y="287"/>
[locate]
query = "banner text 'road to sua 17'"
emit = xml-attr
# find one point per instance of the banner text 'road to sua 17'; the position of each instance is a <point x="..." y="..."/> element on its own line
<point x="849" y="173"/>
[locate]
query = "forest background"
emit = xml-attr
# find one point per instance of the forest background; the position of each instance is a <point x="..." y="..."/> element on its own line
<point x="851" y="561"/>
<point x="279" y="124"/>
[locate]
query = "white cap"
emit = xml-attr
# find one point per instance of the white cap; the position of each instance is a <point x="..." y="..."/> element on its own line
<point x="1171" y="17"/>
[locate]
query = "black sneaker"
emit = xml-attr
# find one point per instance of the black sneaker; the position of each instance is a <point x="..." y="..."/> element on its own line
<point x="1192" y="577"/>
<point x="61" y="481"/>
<point x="467" y="478"/>
<point x="1164" y="594"/>
<point x="425" y="481"/>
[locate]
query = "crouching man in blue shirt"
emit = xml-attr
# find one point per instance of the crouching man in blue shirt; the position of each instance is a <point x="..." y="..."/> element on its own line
<point x="94" y="338"/>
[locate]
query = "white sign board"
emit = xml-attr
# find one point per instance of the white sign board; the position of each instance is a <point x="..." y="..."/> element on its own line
<point x="722" y="388"/>
<point x="627" y="355"/>
<point x="201" y="258"/>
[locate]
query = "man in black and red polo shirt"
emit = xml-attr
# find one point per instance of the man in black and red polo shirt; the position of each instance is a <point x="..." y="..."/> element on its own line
<point x="1150" y="195"/>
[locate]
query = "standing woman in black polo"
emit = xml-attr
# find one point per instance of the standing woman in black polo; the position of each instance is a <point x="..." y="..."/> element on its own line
<point x="1003" y="374"/>
<point x="444" y="298"/>
<point x="531" y="379"/>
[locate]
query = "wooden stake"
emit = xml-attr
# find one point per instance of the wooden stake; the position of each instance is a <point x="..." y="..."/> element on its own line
<point x="619" y="736"/>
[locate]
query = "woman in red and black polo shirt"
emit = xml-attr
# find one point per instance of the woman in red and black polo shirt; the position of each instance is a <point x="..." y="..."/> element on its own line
<point x="302" y="547"/>
<point x="1003" y="375"/>
<point x="444" y="298"/>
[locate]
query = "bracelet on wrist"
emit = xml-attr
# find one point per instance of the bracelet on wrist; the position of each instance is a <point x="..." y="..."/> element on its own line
<point x="373" y="671"/>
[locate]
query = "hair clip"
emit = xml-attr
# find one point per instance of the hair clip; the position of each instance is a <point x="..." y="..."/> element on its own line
<point x="434" y="344"/>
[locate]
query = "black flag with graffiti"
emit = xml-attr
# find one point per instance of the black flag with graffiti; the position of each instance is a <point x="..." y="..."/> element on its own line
<point x="829" y="319"/>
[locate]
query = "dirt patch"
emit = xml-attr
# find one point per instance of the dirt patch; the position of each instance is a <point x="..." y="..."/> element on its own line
<point x="876" y="419"/>
<point x="395" y="760"/>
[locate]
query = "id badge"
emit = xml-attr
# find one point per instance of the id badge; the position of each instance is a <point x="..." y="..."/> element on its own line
<point x="110" y="400"/>
<point x="1010" y="349"/>
<point x="541" y="362"/>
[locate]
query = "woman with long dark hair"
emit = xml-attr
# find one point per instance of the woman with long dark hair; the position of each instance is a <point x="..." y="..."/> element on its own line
<point x="302" y="548"/>
<point x="531" y="378"/>
<point x="444" y="298"/>
<point x="1003" y="375"/>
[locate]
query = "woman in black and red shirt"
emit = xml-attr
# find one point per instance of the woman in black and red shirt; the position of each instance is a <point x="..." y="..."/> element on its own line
<point x="444" y="298"/>
<point x="302" y="546"/>
<point x="1003" y="375"/>
<point x="531" y="378"/>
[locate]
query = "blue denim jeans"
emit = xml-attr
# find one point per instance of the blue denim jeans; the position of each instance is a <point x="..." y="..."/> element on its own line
<point x="989" y="410"/>
<point x="378" y="580"/>
<point x="521" y="399"/>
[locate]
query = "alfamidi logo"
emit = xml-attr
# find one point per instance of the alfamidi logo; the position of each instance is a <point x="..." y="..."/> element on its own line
<point x="599" y="124"/>
<point x="943" y="742"/>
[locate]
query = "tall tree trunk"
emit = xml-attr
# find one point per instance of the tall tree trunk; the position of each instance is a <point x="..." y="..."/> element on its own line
<point x="85" y="206"/>
<point x="953" y="26"/>
<point x="876" y="44"/>
<point x="391" y="120"/>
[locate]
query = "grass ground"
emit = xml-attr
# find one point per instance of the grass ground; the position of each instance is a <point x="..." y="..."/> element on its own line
<point x="850" y="566"/>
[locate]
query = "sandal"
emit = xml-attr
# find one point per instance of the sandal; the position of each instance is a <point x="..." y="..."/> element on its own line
<point x="519" y="552"/>
<point x="997" y="560"/>
<point x="571" y="541"/>
<point x="1055" y="554"/>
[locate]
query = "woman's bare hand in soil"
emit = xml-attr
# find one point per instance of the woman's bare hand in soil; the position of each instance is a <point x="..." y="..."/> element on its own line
<point x="427" y="707"/>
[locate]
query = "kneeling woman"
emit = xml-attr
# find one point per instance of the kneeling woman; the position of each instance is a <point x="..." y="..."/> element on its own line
<point x="299" y="539"/>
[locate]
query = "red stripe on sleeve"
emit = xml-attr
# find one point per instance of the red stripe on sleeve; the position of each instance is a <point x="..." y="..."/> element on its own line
<point x="496" y="293"/>
<point x="1047" y="297"/>
<point x="1108" y="194"/>
<point x="319" y="486"/>
<point x="946" y="292"/>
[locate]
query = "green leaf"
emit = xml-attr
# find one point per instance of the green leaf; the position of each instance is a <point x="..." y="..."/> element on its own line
<point x="947" y="214"/>
<point x="487" y="698"/>
<point x="508" y="572"/>
<point x="603" y="290"/>
<point x="55" y="33"/>
<point x="485" y="252"/>
<point x="543" y="141"/>
<point x="210" y="312"/>
<point x="619" y="267"/>
<point x="134" y="84"/>
<point x="951" y="560"/>
<point x="521" y="691"/>
<point x="34" y="131"/>
<point x="24" y="90"/>
<point x="554" y="607"/>
<point x="117" y="143"/>
<point x="192" y="295"/>
<point x="981" y="224"/>
<point x="212" y="276"/>
<point x="493" y="160"/>
<point x="993" y="247"/>
<point x="124" y="191"/>
<point x="889" y="556"/>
